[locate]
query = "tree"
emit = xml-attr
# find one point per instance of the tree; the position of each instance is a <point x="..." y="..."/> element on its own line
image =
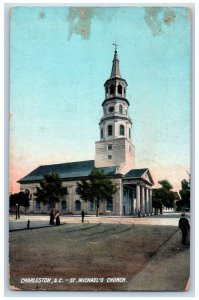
<point x="20" y="199"/>
<point x="184" y="203"/>
<point x="97" y="188"/>
<point x="167" y="196"/>
<point x="163" y="196"/>
<point x="156" y="200"/>
<point x="50" y="190"/>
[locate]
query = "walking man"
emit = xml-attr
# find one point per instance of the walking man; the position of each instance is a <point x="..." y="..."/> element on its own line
<point x="184" y="227"/>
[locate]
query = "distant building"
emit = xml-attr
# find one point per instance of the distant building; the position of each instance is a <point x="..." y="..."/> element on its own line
<point x="114" y="154"/>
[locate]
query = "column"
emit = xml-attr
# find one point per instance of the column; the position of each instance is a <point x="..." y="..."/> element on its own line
<point x="150" y="202"/>
<point x="121" y="200"/>
<point x="137" y="198"/>
<point x="143" y="201"/>
<point x="147" y="201"/>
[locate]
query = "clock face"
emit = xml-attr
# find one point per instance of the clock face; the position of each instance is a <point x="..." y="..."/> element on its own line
<point x="111" y="109"/>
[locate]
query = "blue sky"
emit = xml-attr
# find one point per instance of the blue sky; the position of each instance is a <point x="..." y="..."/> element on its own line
<point x="59" y="60"/>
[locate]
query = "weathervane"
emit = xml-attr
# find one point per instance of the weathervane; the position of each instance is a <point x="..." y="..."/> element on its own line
<point x="114" y="44"/>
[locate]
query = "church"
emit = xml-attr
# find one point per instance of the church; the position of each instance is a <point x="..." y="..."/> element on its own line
<point x="114" y="155"/>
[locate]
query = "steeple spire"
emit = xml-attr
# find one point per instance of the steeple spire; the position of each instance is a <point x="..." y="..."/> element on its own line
<point x="115" y="72"/>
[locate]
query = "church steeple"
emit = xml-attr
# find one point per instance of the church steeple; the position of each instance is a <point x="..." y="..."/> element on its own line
<point x="115" y="67"/>
<point x="115" y="147"/>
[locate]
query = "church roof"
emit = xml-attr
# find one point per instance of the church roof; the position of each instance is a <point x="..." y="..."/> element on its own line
<point x="66" y="171"/>
<point x="139" y="173"/>
<point x="135" y="173"/>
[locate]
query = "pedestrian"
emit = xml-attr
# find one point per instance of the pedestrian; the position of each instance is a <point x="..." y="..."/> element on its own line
<point x="83" y="214"/>
<point x="52" y="217"/>
<point x="57" y="218"/>
<point x="184" y="227"/>
<point x="139" y="214"/>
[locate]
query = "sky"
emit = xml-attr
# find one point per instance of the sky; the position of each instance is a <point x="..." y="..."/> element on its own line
<point x="60" y="58"/>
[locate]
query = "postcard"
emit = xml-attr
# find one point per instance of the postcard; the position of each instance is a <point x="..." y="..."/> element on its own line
<point x="99" y="194"/>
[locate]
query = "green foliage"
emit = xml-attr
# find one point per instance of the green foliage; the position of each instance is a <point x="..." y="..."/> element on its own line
<point x="50" y="190"/>
<point x="184" y="203"/>
<point x="167" y="196"/>
<point x="165" y="185"/>
<point x="163" y="196"/>
<point x="156" y="200"/>
<point x="21" y="199"/>
<point x="97" y="188"/>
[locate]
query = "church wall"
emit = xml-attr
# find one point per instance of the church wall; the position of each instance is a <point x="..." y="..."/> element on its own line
<point x="71" y="199"/>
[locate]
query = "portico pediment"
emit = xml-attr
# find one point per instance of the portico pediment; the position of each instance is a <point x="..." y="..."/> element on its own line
<point x="136" y="176"/>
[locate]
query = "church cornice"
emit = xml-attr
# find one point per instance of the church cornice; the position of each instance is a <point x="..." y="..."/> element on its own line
<point x="114" y="118"/>
<point x="115" y="98"/>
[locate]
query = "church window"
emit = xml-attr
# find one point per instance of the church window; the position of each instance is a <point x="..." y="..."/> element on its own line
<point x="76" y="190"/>
<point x="110" y="130"/>
<point x="109" y="205"/>
<point x="121" y="129"/>
<point x="91" y="206"/>
<point x="119" y="89"/>
<point x="50" y="205"/>
<point x="120" y="109"/>
<point x="102" y="133"/>
<point x="124" y="92"/>
<point x="38" y="204"/>
<point x="77" y="205"/>
<point x="110" y="147"/>
<point x="111" y="109"/>
<point x="125" y="192"/>
<point x="112" y="89"/>
<point x="63" y="205"/>
<point x="106" y="91"/>
<point x="109" y="156"/>
<point x="129" y="132"/>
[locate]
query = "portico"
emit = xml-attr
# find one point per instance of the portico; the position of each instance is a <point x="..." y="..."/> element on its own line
<point x="138" y="196"/>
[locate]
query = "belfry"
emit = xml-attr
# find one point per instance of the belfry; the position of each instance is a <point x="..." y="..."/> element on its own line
<point x="115" y="147"/>
<point x="114" y="155"/>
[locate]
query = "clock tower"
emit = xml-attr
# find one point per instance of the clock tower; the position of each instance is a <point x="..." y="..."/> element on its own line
<point x="115" y="147"/>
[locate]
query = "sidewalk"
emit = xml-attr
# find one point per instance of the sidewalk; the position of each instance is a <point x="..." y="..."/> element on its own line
<point x="43" y="220"/>
<point x="167" y="270"/>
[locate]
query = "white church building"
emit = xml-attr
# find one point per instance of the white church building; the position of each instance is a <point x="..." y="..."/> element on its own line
<point x="114" y="154"/>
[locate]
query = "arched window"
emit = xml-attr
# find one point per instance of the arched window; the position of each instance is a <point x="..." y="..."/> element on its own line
<point x="106" y="91"/>
<point x="121" y="129"/>
<point x="109" y="205"/>
<point x="63" y="205"/>
<point x="102" y="133"/>
<point x="38" y="204"/>
<point x="119" y="89"/>
<point x="120" y="109"/>
<point x="129" y="132"/>
<point x="77" y="205"/>
<point x="124" y="92"/>
<point x="110" y="130"/>
<point x="112" y="89"/>
<point x="91" y="206"/>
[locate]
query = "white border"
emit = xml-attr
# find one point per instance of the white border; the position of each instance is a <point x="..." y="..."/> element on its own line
<point x="4" y="152"/>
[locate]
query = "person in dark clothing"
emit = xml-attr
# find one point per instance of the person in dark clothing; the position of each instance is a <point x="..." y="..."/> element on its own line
<point x="83" y="214"/>
<point x="184" y="227"/>
<point x="57" y="218"/>
<point x="52" y="217"/>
